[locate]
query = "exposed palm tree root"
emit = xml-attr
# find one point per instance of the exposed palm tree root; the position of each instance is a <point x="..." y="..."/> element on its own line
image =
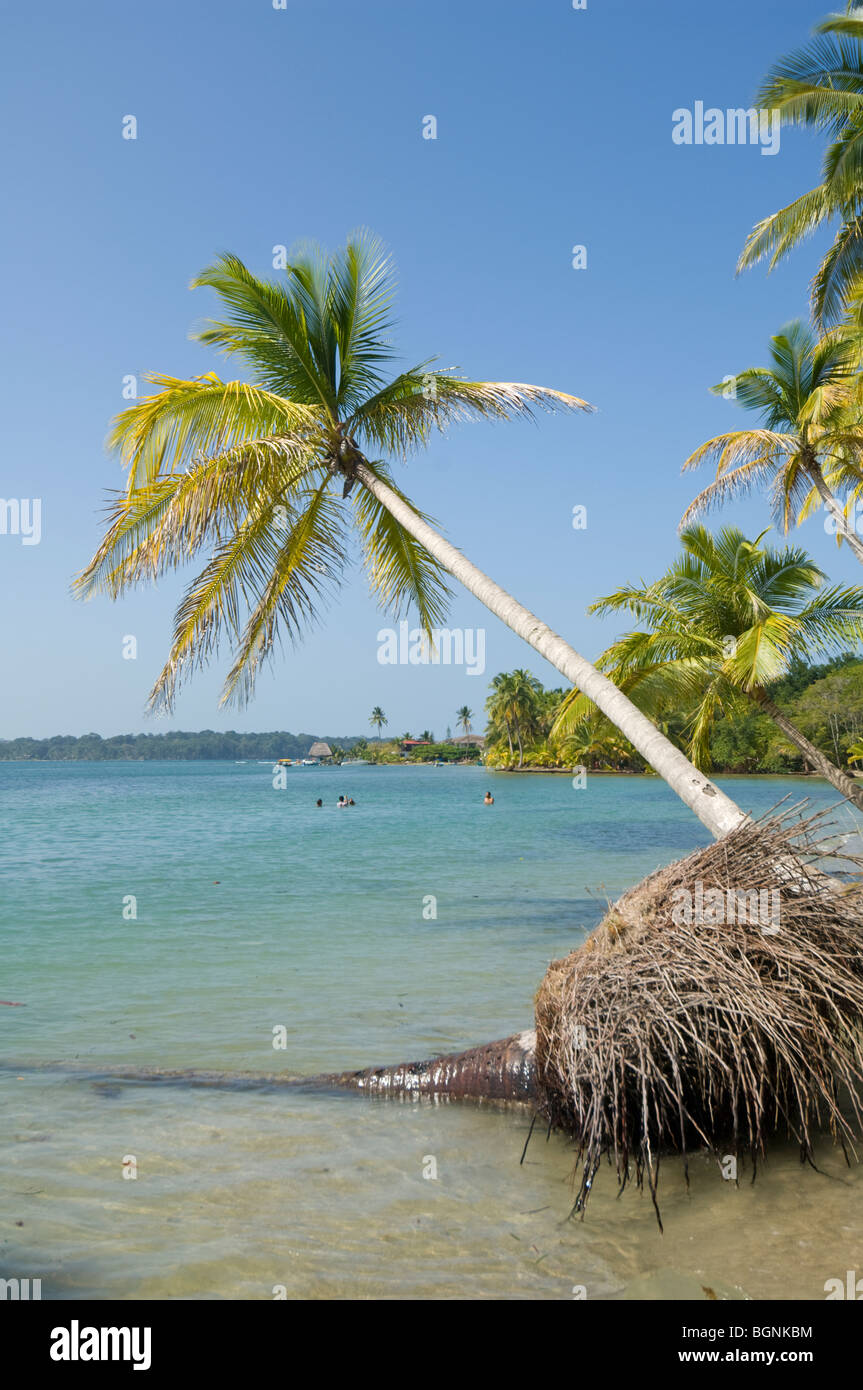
<point x="661" y="1034"/>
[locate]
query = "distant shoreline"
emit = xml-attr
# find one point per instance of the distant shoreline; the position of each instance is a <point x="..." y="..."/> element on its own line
<point x="337" y="767"/>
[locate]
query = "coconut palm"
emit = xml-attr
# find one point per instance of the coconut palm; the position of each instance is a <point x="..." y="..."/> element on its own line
<point x="378" y="719"/>
<point x="728" y="618"/>
<point x="464" y="716"/>
<point x="513" y="708"/>
<point x="591" y="741"/>
<point x="256" y="477"/>
<point x="821" y="86"/>
<point x="811" y="434"/>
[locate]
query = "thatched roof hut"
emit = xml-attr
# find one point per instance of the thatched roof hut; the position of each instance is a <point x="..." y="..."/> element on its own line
<point x="320" y="750"/>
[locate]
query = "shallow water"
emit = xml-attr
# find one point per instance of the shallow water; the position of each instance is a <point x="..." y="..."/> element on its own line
<point x="258" y="911"/>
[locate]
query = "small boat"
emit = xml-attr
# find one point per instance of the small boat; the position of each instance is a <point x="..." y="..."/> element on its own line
<point x="310" y="762"/>
<point x="284" y="762"/>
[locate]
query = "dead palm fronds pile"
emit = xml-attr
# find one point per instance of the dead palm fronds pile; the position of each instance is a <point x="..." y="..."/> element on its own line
<point x="720" y="1001"/>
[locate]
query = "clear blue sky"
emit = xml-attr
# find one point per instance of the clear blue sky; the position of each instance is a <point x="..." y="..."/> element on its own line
<point x="259" y="126"/>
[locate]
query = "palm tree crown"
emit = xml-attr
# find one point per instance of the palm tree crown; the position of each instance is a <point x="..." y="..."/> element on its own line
<point x="725" y="621"/>
<point x="513" y="707"/>
<point x="251" y="473"/>
<point x="378" y="719"/>
<point x="811" y="439"/>
<point x="257" y="473"/>
<point x="821" y="86"/>
<point x="464" y="717"/>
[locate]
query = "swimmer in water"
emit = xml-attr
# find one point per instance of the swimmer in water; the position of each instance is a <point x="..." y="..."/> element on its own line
<point x="489" y="799"/>
<point x="319" y="802"/>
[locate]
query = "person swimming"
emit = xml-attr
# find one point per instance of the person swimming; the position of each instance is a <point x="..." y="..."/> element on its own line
<point x="319" y="802"/>
<point x="489" y="799"/>
<point x="341" y="802"/>
<point x="352" y="802"/>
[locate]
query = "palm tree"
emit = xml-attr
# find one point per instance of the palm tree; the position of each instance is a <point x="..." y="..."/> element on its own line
<point x="821" y="86"/>
<point x="811" y="434"/>
<point x="727" y="619"/>
<point x="378" y="719"/>
<point x="513" y="707"/>
<point x="464" y="716"/>
<point x="592" y="741"/>
<point x="252" y="473"/>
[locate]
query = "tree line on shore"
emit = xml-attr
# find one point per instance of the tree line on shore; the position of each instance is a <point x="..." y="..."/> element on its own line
<point x="176" y="745"/>
<point x="824" y="701"/>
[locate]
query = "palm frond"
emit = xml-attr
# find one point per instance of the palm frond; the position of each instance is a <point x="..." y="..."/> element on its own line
<point x="402" y="416"/>
<point x="163" y="432"/>
<point x="401" y="571"/>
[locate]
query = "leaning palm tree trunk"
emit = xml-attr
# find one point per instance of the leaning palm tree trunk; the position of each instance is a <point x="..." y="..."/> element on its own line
<point x="845" y="785"/>
<point x="834" y="507"/>
<point x="713" y="808"/>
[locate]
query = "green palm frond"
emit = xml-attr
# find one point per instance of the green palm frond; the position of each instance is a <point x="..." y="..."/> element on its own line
<point x="821" y="86"/>
<point x="272" y="328"/>
<point x="234" y="593"/>
<point x="727" y="618"/>
<point x="838" y="275"/>
<point x="402" y="416"/>
<point x="773" y="237"/>
<point x="163" y="524"/>
<point x="360" y="294"/>
<point x="162" y="432"/>
<point x="401" y="571"/>
<point x="248" y="474"/>
<point x="299" y="577"/>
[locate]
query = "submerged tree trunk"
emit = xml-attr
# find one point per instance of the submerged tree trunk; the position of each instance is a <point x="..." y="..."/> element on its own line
<point x="713" y="808"/>
<point x="846" y="786"/>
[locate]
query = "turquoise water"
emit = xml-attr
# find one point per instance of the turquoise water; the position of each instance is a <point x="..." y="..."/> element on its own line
<point x="256" y="910"/>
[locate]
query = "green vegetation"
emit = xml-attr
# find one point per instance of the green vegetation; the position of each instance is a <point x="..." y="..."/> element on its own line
<point x="378" y="720"/>
<point x="820" y="86"/>
<point x="723" y="623"/>
<point x="391" y="752"/>
<point x="265" y="480"/>
<point x="253" y="479"/>
<point x="185" y="747"/>
<point x="811" y="436"/>
<point x="825" y="702"/>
